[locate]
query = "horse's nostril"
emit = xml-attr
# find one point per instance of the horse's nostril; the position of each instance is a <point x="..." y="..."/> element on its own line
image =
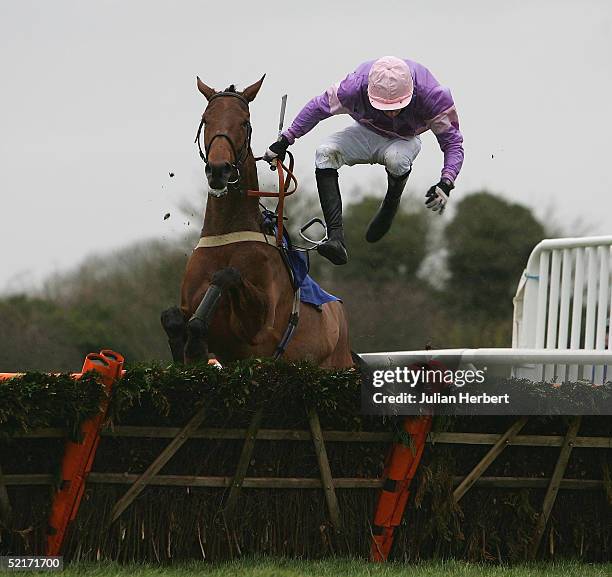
<point x="218" y="174"/>
<point x="219" y="170"/>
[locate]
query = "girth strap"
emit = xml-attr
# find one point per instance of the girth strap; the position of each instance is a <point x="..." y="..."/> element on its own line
<point x="294" y="318"/>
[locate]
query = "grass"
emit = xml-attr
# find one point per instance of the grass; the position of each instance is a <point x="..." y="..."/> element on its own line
<point x="270" y="567"/>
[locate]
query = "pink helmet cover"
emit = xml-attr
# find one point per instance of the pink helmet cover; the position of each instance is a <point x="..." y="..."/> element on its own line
<point x="390" y="84"/>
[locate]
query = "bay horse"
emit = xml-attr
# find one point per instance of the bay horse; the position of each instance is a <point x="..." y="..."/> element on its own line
<point x="237" y="297"/>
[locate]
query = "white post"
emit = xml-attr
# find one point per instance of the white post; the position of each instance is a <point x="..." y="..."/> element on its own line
<point x="608" y="368"/>
<point x="540" y="331"/>
<point x="566" y="279"/>
<point x="589" y="335"/>
<point x="602" y="307"/>
<point x="572" y="375"/>
<point x="553" y="311"/>
<point x="540" y="321"/>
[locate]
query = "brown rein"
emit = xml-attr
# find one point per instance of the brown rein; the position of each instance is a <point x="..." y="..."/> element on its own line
<point x="283" y="190"/>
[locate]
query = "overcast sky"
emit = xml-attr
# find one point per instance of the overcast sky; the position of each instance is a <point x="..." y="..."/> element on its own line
<point x="99" y="104"/>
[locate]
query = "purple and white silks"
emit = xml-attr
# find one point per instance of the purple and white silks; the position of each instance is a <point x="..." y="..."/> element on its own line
<point x="431" y="108"/>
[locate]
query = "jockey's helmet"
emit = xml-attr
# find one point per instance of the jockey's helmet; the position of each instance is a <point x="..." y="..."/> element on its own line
<point x="390" y="84"/>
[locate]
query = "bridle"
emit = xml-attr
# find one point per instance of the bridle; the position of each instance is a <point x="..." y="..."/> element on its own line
<point x="239" y="156"/>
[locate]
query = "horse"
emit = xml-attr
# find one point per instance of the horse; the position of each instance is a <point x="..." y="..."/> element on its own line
<point x="237" y="296"/>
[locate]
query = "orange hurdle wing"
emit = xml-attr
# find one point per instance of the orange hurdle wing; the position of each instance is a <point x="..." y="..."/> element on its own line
<point x="400" y="469"/>
<point x="78" y="457"/>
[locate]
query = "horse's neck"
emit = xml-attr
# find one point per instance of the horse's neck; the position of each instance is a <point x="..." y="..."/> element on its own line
<point x="236" y="211"/>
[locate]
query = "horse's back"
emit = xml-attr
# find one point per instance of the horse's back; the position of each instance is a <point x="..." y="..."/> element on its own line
<point x="322" y="336"/>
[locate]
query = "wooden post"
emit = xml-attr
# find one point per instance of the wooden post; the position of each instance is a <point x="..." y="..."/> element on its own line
<point x="324" y="468"/>
<point x="243" y="464"/>
<point x="491" y="455"/>
<point x="6" y="512"/>
<point x="157" y="465"/>
<point x="553" y="487"/>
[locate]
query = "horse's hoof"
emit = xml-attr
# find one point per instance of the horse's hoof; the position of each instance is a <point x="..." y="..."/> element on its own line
<point x="173" y="321"/>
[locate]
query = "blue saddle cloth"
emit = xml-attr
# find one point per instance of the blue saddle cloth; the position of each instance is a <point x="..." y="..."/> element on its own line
<point x="310" y="291"/>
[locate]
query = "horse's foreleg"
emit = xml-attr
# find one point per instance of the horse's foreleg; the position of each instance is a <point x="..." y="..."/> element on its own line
<point x="196" y="347"/>
<point x="174" y="324"/>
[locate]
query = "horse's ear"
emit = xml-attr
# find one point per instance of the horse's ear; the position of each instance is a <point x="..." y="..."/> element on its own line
<point x="207" y="91"/>
<point x="251" y="91"/>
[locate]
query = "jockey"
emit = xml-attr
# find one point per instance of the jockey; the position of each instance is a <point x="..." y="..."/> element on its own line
<point x="392" y="101"/>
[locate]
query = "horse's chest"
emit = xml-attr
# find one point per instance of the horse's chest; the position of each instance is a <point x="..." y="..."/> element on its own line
<point x="204" y="263"/>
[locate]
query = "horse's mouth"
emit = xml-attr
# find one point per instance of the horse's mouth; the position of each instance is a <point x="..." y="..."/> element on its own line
<point x="217" y="192"/>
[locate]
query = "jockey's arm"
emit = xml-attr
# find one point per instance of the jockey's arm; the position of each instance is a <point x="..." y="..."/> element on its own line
<point x="317" y="109"/>
<point x="337" y="99"/>
<point x="314" y="111"/>
<point x="444" y="123"/>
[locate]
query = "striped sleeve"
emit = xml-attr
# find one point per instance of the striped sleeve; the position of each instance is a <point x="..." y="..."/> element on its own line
<point x="443" y="121"/>
<point x="337" y="99"/>
<point x="315" y="110"/>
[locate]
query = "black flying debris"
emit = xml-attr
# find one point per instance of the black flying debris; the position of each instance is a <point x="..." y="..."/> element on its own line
<point x="166" y="216"/>
<point x="171" y="174"/>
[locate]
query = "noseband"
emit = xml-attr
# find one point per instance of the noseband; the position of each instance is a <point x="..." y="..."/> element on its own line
<point x="239" y="156"/>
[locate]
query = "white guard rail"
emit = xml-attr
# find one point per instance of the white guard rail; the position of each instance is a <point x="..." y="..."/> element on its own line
<point x="563" y="303"/>
<point x="562" y="311"/>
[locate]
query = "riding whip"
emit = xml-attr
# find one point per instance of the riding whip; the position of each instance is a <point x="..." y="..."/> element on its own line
<point x="281" y="121"/>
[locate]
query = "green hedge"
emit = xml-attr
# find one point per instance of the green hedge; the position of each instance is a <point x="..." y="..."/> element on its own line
<point x="168" y="523"/>
<point x="37" y="400"/>
<point x="168" y="395"/>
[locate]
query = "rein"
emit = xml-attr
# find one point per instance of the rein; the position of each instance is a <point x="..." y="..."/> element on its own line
<point x="283" y="191"/>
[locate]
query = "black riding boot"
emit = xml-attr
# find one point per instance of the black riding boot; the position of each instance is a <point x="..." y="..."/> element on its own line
<point x="381" y="223"/>
<point x="333" y="249"/>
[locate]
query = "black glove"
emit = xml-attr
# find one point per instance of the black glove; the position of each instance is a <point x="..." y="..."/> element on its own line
<point x="437" y="196"/>
<point x="276" y="150"/>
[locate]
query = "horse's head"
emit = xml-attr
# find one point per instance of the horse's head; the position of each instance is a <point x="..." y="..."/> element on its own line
<point x="227" y="134"/>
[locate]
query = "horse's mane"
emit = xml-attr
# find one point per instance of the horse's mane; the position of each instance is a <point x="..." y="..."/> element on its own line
<point x="230" y="88"/>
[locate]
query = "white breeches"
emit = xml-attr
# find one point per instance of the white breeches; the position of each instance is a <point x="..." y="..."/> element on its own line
<point x="359" y="145"/>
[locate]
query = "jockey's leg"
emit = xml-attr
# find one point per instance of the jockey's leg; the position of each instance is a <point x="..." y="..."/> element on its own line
<point x="333" y="249"/>
<point x="381" y="223"/>
<point x="345" y="147"/>
<point x="397" y="157"/>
